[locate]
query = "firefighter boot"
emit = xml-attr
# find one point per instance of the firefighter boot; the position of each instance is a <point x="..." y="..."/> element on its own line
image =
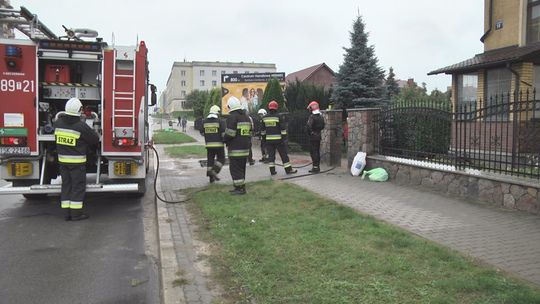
<point x="273" y="171"/>
<point x="67" y="216"/>
<point x="290" y="170"/>
<point x="78" y="215"/>
<point x="239" y="190"/>
<point x="213" y="176"/>
<point x="315" y="170"/>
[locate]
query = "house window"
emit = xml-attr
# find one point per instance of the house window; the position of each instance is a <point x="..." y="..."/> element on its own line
<point x="533" y="21"/>
<point x="214" y="83"/>
<point x="223" y="72"/>
<point x="235" y="72"/>
<point x="498" y="86"/>
<point x="246" y="72"/>
<point x="467" y="85"/>
<point x="201" y="72"/>
<point x="183" y="94"/>
<point x="183" y="83"/>
<point x="183" y="73"/>
<point x="214" y="73"/>
<point x="202" y="83"/>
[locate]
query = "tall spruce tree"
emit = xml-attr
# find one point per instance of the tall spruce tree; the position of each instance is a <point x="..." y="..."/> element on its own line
<point x="390" y="85"/>
<point x="360" y="79"/>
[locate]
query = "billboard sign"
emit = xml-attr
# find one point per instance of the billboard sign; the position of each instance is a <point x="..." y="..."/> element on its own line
<point x="248" y="88"/>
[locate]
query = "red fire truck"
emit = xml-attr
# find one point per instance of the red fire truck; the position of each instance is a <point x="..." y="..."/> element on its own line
<point x="39" y="74"/>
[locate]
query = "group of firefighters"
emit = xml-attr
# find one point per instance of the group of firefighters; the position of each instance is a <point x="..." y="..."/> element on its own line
<point x="236" y="132"/>
<point x="73" y="137"/>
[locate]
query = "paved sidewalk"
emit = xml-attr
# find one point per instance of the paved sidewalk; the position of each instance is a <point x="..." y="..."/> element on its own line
<point x="508" y="240"/>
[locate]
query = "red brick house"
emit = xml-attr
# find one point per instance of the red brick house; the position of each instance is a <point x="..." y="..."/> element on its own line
<point x="319" y="74"/>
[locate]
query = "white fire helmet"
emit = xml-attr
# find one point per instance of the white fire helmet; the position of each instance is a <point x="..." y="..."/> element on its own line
<point x="262" y="112"/>
<point x="234" y="104"/>
<point x="73" y="107"/>
<point x="214" y="109"/>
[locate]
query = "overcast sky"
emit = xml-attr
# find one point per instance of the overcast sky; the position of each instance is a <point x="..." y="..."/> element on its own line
<point x="414" y="36"/>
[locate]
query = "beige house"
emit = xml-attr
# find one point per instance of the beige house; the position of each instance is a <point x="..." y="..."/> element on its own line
<point x="511" y="58"/>
<point x="202" y="75"/>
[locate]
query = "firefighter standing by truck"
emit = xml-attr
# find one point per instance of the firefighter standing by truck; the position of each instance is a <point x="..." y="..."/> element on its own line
<point x="213" y="129"/>
<point x="275" y="130"/>
<point x="315" y="125"/>
<point x="238" y="139"/>
<point x="73" y="137"/>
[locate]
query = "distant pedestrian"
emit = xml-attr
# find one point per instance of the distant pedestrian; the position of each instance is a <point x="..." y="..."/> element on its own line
<point x="213" y="129"/>
<point x="315" y="125"/>
<point x="184" y="124"/>
<point x="275" y="130"/>
<point x="238" y="138"/>
<point x="179" y="121"/>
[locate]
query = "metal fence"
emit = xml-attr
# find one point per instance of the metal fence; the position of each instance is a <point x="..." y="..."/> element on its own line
<point x="500" y="134"/>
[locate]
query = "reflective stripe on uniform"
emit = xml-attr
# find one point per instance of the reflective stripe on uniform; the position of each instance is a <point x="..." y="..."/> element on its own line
<point x="238" y="182"/>
<point x="230" y="132"/>
<point x="285" y="165"/>
<point x="211" y="124"/>
<point x="67" y="132"/>
<point x="263" y="132"/>
<point x="76" y="205"/>
<point x="72" y="159"/>
<point x="271" y="119"/>
<point x="65" y="204"/>
<point x="273" y="137"/>
<point x="214" y="144"/>
<point x="239" y="153"/>
<point x="271" y="165"/>
<point x="283" y="132"/>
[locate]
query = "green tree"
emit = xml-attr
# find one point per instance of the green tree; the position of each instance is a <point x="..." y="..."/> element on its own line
<point x="300" y="94"/>
<point x="273" y="92"/>
<point x="196" y="100"/>
<point x="213" y="99"/>
<point x="390" y="85"/>
<point x="360" y="79"/>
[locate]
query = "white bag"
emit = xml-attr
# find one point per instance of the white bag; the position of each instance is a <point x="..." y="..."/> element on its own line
<point x="358" y="164"/>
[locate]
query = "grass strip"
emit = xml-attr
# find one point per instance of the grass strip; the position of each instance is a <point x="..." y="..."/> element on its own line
<point x="171" y="137"/>
<point x="283" y="244"/>
<point x="191" y="151"/>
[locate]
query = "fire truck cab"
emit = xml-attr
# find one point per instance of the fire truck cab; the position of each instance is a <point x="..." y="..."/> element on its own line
<point x="39" y="74"/>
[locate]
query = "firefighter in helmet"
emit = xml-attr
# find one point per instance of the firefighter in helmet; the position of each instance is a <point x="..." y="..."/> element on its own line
<point x="238" y="139"/>
<point x="262" y="113"/>
<point x="213" y="129"/>
<point x="275" y="130"/>
<point x="315" y="125"/>
<point x="73" y="137"/>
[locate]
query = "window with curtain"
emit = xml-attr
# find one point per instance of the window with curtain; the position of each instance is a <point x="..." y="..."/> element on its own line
<point x="498" y="92"/>
<point x="533" y="21"/>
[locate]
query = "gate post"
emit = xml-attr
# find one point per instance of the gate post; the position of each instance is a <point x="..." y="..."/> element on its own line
<point x="332" y="138"/>
<point x="363" y="132"/>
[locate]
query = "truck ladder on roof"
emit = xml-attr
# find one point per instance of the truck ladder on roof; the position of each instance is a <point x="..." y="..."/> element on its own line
<point x="26" y="22"/>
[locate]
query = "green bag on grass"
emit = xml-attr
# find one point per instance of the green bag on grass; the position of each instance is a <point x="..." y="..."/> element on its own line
<point x="376" y="175"/>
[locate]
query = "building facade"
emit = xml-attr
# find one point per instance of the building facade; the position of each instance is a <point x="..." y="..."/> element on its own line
<point x="186" y="77"/>
<point x="511" y="59"/>
<point x="319" y="74"/>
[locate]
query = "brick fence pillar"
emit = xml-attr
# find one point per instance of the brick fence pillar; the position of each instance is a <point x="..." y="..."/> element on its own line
<point x="332" y="138"/>
<point x="362" y="132"/>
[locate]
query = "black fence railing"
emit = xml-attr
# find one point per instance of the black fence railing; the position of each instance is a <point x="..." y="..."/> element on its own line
<point x="500" y="134"/>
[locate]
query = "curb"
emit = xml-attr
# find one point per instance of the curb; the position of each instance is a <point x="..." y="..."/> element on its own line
<point x="167" y="255"/>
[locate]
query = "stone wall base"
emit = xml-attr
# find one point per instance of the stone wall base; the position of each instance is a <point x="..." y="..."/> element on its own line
<point x="504" y="192"/>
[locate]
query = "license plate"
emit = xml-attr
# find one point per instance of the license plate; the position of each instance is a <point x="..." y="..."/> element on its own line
<point x="14" y="150"/>
<point x="19" y="168"/>
<point x="122" y="168"/>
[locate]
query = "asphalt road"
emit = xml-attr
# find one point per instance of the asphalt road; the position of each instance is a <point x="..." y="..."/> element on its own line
<point x="109" y="258"/>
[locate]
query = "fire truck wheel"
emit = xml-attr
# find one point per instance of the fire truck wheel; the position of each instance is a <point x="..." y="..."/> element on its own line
<point x="142" y="188"/>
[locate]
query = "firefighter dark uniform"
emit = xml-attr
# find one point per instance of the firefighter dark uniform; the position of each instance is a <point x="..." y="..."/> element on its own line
<point x="213" y="129"/>
<point x="274" y="129"/>
<point x="238" y="139"/>
<point x="315" y="125"/>
<point x="262" y="137"/>
<point x="73" y="137"/>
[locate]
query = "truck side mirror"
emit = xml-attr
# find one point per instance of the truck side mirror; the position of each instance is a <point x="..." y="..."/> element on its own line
<point x="153" y="95"/>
